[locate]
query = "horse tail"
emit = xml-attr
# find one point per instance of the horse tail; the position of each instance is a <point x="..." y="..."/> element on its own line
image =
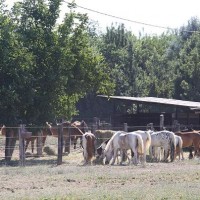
<point x="140" y="144"/>
<point x="180" y="142"/>
<point x="148" y="142"/>
<point x="172" y="141"/>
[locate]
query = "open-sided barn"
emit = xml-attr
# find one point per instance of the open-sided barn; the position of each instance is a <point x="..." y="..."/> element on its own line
<point x="139" y="111"/>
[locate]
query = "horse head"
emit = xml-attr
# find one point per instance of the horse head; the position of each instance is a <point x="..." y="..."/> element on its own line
<point x="108" y="156"/>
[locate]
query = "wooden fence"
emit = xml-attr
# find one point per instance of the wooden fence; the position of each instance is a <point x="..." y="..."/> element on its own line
<point x="17" y="136"/>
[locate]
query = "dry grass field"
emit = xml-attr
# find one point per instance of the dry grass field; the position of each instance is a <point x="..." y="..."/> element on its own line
<point x="41" y="179"/>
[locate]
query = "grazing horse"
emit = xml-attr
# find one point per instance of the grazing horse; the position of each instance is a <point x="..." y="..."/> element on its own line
<point x="179" y="150"/>
<point x="166" y="140"/>
<point x="101" y="148"/>
<point x="68" y="129"/>
<point x="190" y="139"/>
<point x="134" y="142"/>
<point x="123" y="141"/>
<point x="88" y="142"/>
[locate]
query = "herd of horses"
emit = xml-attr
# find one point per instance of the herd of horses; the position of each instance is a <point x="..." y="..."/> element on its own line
<point x="161" y="145"/>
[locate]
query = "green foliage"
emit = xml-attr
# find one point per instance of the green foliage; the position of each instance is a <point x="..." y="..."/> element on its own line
<point x="47" y="68"/>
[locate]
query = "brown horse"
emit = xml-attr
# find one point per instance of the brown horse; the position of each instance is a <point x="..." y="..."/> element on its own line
<point x="44" y="132"/>
<point x="68" y="129"/>
<point x="28" y="136"/>
<point x="81" y="125"/>
<point x="191" y="139"/>
<point x="12" y="135"/>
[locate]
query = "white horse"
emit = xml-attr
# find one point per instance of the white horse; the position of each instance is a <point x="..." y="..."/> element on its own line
<point x="166" y="140"/>
<point x="123" y="141"/>
<point x="146" y="137"/>
<point x="179" y="147"/>
<point x="88" y="142"/>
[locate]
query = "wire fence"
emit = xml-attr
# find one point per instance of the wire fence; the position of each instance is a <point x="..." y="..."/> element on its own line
<point x="22" y="143"/>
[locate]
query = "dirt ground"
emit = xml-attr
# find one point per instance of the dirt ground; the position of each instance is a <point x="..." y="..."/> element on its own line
<point x="43" y="179"/>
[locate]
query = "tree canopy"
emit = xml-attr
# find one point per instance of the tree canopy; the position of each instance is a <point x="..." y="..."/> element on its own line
<point x="47" y="68"/>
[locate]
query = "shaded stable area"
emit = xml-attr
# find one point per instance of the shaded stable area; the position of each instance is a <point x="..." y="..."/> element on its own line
<point x="140" y="111"/>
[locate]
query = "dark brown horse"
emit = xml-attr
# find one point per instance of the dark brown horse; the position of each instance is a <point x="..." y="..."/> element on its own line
<point x="69" y="129"/>
<point x="12" y="135"/>
<point x="44" y="131"/>
<point x="30" y="136"/>
<point x="191" y="139"/>
<point x="81" y="125"/>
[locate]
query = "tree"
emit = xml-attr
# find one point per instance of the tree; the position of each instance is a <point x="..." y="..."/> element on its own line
<point x="59" y="65"/>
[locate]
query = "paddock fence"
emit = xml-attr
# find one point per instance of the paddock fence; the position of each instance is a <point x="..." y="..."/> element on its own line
<point x="14" y="149"/>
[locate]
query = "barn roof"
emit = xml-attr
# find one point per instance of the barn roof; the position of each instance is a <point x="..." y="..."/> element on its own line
<point x="173" y="102"/>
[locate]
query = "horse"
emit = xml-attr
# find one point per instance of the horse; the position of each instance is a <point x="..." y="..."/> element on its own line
<point x="81" y="125"/>
<point x="88" y="143"/>
<point x="146" y="137"/>
<point x="101" y="148"/>
<point x="123" y="141"/>
<point x="158" y="151"/>
<point x="44" y="132"/>
<point x="179" y="147"/>
<point x="130" y="141"/>
<point x="68" y="129"/>
<point x="12" y="135"/>
<point x="166" y="140"/>
<point x="190" y="139"/>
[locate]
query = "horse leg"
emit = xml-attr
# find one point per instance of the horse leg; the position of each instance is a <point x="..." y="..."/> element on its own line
<point x="126" y="154"/>
<point x="166" y="154"/>
<point x="75" y="141"/>
<point x="151" y="153"/>
<point x="43" y="140"/>
<point x="32" y="144"/>
<point x="134" y="159"/>
<point x="114" y="156"/>
<point x="145" y="154"/>
<point x="121" y="156"/>
<point x="190" y="153"/>
<point x="27" y="143"/>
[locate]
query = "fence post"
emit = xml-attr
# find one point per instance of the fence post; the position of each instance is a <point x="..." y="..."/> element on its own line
<point x="161" y="122"/>
<point x="7" y="147"/>
<point x="125" y="127"/>
<point x="21" y="146"/>
<point x="150" y="125"/>
<point x="67" y="140"/>
<point x="60" y="144"/>
<point x="39" y="143"/>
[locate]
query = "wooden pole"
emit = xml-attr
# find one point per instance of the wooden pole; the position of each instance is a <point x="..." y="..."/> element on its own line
<point x="39" y="143"/>
<point x="21" y="146"/>
<point x="125" y="127"/>
<point x="161" y="122"/>
<point x="60" y="144"/>
<point x="7" y="147"/>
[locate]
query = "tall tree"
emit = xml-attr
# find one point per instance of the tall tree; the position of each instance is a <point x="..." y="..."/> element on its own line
<point x="61" y="65"/>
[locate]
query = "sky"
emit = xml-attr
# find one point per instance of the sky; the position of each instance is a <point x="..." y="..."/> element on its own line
<point x="164" y="13"/>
